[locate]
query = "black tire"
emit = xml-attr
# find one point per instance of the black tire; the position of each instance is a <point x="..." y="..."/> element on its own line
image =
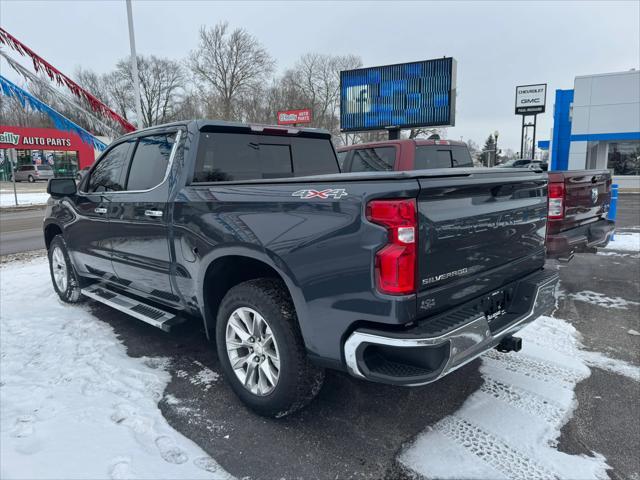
<point x="70" y="291"/>
<point x="31" y="179"/>
<point x="299" y="381"/>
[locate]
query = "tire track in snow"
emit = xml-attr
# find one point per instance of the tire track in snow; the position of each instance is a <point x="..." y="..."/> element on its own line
<point x="502" y="457"/>
<point x="524" y="400"/>
<point x="530" y="367"/>
<point x="510" y="426"/>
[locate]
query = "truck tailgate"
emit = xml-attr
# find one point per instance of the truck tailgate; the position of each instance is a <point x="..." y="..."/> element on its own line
<point x="477" y="232"/>
<point x="587" y="196"/>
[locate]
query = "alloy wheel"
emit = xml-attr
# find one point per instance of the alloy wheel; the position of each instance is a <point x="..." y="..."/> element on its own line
<point x="59" y="269"/>
<point x="253" y="351"/>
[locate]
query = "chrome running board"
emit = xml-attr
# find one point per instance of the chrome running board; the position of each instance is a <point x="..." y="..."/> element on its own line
<point x="148" y="314"/>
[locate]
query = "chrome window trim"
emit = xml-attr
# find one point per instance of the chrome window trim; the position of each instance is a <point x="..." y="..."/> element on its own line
<point x="172" y="155"/>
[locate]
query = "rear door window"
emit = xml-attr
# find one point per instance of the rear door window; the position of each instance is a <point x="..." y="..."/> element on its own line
<point x="150" y="160"/>
<point x="379" y="159"/>
<point x="107" y="176"/>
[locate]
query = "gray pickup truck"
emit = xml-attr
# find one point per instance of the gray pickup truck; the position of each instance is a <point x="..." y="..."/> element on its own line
<point x="395" y="277"/>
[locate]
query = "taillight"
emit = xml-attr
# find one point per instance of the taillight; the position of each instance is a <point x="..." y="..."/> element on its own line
<point x="556" y="200"/>
<point x="396" y="262"/>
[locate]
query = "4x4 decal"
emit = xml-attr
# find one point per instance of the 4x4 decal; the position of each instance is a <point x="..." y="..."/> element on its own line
<point x="336" y="193"/>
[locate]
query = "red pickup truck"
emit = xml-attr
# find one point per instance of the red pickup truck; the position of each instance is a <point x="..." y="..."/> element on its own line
<point x="578" y="208"/>
<point x="578" y="199"/>
<point x="406" y="154"/>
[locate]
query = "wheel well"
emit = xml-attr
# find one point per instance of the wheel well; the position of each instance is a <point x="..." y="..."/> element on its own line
<point x="225" y="273"/>
<point x="50" y="232"/>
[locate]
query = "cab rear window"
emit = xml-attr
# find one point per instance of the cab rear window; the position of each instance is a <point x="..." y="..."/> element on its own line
<point x="441" y="156"/>
<point x="238" y="156"/>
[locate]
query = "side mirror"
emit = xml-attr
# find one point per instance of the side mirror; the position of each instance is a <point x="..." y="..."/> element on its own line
<point x="61" y="187"/>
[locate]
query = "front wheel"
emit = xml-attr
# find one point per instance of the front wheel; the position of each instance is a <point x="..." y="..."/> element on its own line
<point x="63" y="275"/>
<point x="31" y="179"/>
<point x="261" y="350"/>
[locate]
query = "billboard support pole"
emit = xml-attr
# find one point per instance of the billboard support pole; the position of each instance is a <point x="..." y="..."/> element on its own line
<point x="394" y="134"/>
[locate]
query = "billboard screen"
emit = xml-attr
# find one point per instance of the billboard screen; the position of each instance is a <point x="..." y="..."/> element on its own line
<point x="407" y="95"/>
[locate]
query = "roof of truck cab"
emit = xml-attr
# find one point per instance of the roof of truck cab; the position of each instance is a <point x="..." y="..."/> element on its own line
<point x="411" y="141"/>
<point x="200" y="124"/>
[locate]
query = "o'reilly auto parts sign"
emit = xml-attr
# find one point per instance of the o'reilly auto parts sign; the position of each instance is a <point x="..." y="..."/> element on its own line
<point x="531" y="99"/>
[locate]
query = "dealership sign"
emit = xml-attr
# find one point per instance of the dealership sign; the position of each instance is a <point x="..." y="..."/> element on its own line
<point x="292" y="117"/>
<point x="531" y="99"/>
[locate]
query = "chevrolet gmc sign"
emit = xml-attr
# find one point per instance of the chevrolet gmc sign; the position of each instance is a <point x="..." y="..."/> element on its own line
<point x="531" y="99"/>
<point x="292" y="117"/>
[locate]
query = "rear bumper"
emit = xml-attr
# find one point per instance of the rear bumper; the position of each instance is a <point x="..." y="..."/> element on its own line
<point x="580" y="239"/>
<point x="441" y="344"/>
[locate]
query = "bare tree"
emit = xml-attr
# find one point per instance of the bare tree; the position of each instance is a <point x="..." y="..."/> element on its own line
<point x="162" y="83"/>
<point x="314" y="81"/>
<point x="229" y="64"/>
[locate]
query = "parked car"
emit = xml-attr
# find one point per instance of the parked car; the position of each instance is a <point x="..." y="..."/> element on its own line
<point x="578" y="207"/>
<point x="407" y="154"/>
<point x="294" y="267"/>
<point x="33" y="173"/>
<point x="525" y="163"/>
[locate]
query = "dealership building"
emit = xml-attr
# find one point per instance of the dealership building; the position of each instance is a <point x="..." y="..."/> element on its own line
<point x="64" y="151"/>
<point x="596" y="125"/>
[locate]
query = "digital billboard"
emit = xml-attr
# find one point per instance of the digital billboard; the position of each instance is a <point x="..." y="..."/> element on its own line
<point x="407" y="95"/>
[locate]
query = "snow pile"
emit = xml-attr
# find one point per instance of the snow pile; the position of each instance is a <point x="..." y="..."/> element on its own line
<point x="509" y="428"/>
<point x="625" y="241"/>
<point x="72" y="403"/>
<point x="34" y="198"/>
<point x="602" y="300"/>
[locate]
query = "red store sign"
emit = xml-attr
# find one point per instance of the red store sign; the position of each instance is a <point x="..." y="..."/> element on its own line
<point x="291" y="117"/>
<point x="23" y="138"/>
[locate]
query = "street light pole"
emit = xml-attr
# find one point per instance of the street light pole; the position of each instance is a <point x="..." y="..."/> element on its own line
<point x="134" y="65"/>
<point x="495" y="145"/>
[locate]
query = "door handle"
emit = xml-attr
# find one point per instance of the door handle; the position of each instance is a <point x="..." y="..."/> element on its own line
<point x="153" y="213"/>
<point x="100" y="210"/>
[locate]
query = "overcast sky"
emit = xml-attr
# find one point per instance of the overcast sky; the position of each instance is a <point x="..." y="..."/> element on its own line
<point x="497" y="45"/>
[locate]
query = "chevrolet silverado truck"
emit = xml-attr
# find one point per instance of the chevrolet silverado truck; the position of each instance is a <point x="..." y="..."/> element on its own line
<point x="294" y="267"/>
<point x="404" y="155"/>
<point x="578" y="208"/>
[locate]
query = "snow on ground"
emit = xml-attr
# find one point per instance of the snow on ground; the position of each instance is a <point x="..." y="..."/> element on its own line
<point x="510" y="427"/>
<point x="73" y="404"/>
<point x="602" y="300"/>
<point x="24" y="198"/>
<point x="625" y="241"/>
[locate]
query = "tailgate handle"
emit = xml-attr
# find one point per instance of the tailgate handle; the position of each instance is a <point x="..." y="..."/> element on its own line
<point x="153" y="213"/>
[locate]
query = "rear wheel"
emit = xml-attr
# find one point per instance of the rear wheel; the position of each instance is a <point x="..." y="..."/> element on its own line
<point x="63" y="275"/>
<point x="261" y="350"/>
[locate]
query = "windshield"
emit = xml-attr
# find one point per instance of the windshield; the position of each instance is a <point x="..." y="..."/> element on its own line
<point x="44" y="167"/>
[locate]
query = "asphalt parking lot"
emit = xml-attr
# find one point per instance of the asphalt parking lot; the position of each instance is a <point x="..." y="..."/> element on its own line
<point x="356" y="429"/>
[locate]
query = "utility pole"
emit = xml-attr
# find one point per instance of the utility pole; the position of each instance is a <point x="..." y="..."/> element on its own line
<point x="134" y="65"/>
<point x="13" y="160"/>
